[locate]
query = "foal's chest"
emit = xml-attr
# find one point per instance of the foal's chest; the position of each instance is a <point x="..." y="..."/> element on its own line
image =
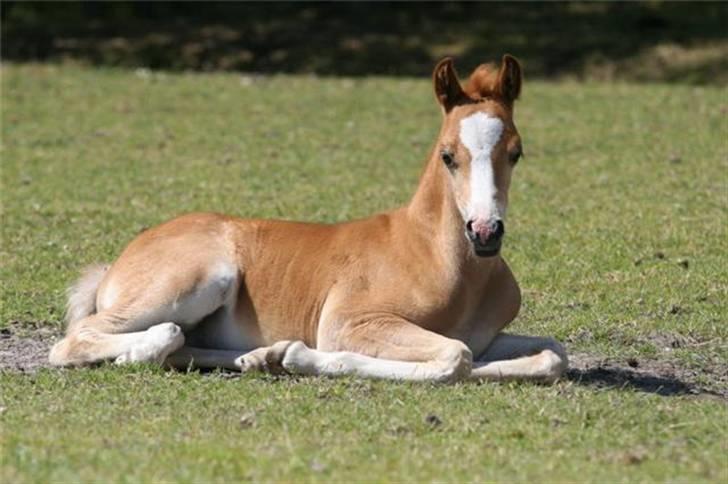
<point x="447" y="312"/>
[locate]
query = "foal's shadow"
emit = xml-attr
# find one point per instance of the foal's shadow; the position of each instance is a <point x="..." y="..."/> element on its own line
<point x="619" y="377"/>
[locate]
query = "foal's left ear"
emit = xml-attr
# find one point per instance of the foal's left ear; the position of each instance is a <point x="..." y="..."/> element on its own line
<point x="448" y="91"/>
<point x="508" y="84"/>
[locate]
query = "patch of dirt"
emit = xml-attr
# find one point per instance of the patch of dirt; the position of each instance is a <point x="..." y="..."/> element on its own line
<point x="26" y="350"/>
<point x="667" y="341"/>
<point x="663" y="377"/>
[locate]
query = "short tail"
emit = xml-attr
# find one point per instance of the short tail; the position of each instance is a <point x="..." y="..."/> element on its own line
<point x="82" y="294"/>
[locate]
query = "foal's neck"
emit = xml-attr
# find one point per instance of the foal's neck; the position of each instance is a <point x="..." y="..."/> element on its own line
<point x="434" y="212"/>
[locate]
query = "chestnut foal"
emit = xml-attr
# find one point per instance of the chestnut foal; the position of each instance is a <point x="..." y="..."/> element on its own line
<point x="411" y="294"/>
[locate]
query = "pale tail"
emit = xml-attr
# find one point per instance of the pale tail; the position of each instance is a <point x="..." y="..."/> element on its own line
<point x="82" y="294"/>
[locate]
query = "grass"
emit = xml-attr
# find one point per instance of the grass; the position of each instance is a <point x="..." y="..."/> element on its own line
<point x="617" y="235"/>
<point x="142" y="424"/>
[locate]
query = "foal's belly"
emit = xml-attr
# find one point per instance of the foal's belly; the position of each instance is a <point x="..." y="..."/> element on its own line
<point x="223" y="330"/>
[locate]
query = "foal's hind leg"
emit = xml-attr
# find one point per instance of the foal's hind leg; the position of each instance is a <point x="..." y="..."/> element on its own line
<point x="88" y="345"/>
<point x="136" y="328"/>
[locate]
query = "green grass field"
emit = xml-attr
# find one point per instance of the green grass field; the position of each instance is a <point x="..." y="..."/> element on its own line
<point x="617" y="234"/>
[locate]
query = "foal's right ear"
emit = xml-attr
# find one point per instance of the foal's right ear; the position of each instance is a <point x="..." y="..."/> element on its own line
<point x="448" y="91"/>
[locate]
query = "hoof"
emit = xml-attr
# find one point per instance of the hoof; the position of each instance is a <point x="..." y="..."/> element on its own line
<point x="159" y="341"/>
<point x="267" y="359"/>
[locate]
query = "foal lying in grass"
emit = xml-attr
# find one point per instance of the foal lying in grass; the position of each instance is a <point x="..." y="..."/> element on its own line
<point x="418" y="293"/>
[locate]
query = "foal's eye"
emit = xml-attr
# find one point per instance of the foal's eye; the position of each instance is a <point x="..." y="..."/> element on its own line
<point x="515" y="155"/>
<point x="448" y="158"/>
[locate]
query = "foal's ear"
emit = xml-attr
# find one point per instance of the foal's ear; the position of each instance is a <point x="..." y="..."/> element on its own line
<point x="508" y="84"/>
<point x="448" y="91"/>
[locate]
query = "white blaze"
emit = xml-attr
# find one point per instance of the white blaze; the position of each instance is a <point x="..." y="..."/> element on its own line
<point x="479" y="133"/>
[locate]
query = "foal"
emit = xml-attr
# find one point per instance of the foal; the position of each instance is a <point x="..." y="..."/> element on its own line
<point x="418" y="293"/>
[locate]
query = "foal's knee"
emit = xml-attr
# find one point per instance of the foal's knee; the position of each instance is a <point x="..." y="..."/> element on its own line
<point x="457" y="362"/>
<point x="556" y="362"/>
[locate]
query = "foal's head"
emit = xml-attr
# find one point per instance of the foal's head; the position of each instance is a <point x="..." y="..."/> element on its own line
<point x="479" y="145"/>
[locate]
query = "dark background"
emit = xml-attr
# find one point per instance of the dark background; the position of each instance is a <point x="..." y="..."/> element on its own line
<point x="650" y="41"/>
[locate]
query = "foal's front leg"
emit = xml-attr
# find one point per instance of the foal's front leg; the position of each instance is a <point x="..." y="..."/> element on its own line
<point x="379" y="346"/>
<point x="516" y="357"/>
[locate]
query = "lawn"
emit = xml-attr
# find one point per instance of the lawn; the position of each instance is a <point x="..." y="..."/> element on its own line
<point x="617" y="234"/>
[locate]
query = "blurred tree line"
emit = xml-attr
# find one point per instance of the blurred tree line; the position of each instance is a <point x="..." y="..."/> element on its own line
<point x="649" y="41"/>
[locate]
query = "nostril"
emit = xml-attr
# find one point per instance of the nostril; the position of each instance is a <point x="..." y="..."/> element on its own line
<point x="469" y="230"/>
<point x="498" y="229"/>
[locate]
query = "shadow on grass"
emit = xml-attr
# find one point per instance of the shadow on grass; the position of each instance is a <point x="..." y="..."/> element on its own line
<point x="615" y="377"/>
<point x="664" y="41"/>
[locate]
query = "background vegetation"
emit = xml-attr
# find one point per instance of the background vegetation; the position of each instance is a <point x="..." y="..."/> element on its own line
<point x="647" y="41"/>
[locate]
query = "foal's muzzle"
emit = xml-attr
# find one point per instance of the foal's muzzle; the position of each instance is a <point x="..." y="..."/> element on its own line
<point x="486" y="237"/>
